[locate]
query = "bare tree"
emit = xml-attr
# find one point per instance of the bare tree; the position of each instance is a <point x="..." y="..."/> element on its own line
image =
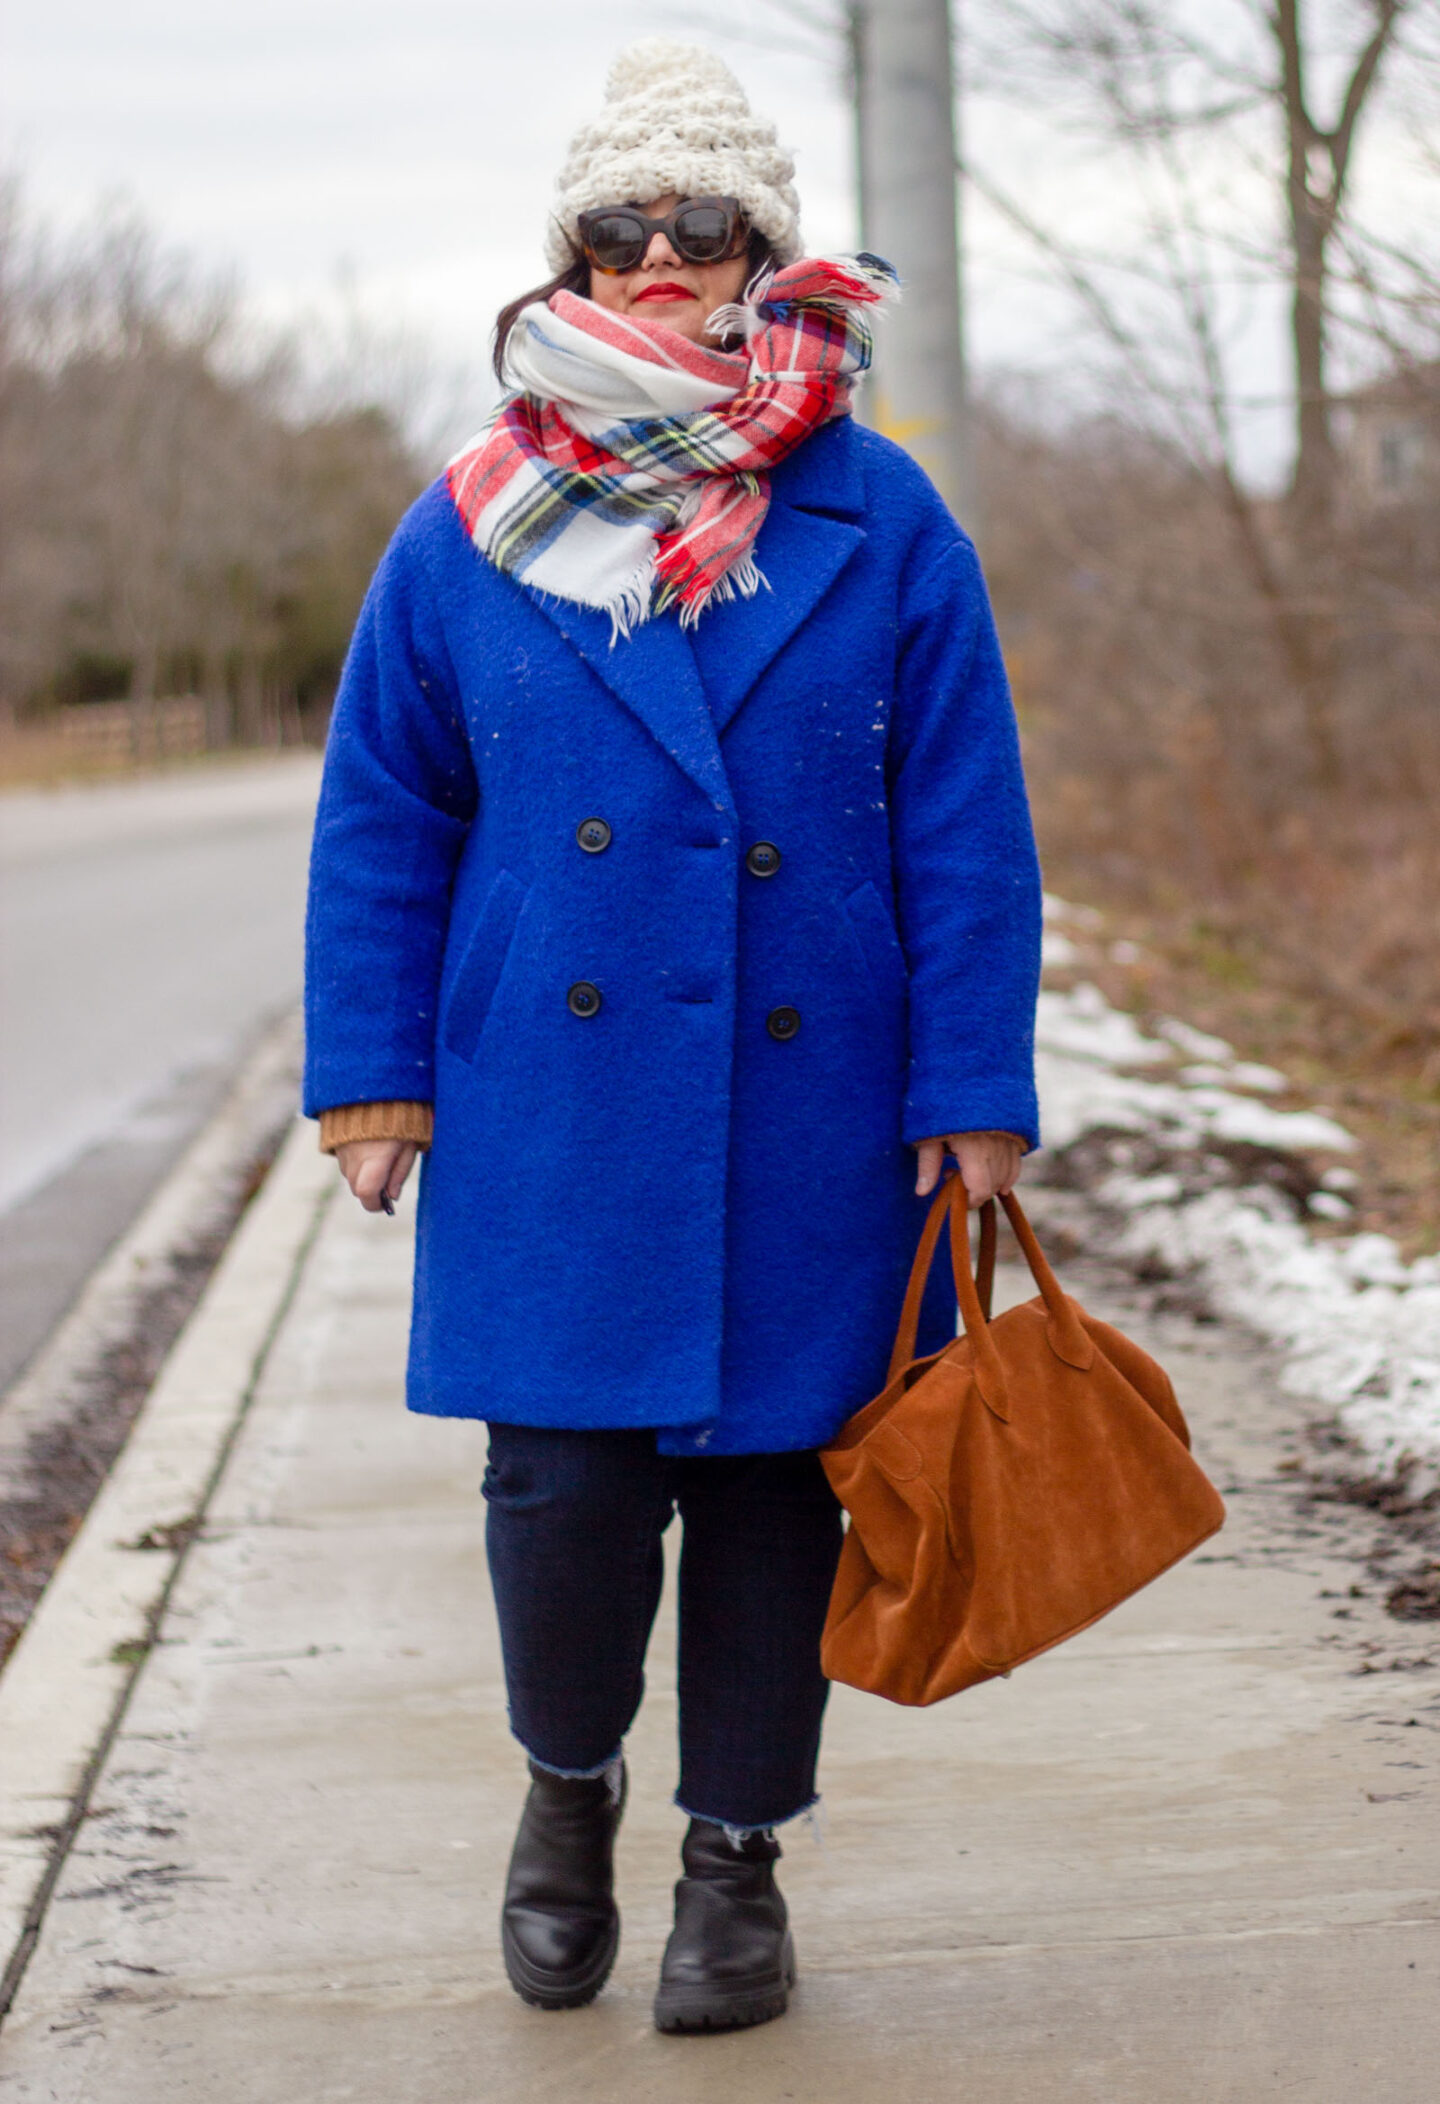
<point x="1199" y="102"/>
<point x="177" y="493"/>
<point x="1318" y="159"/>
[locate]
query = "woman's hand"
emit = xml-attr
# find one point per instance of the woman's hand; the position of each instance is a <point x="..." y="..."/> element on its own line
<point x="989" y="1162"/>
<point x="376" y="1169"/>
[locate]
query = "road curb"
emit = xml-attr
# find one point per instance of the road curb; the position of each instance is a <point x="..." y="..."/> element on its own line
<point x="64" y="1689"/>
<point x="187" y="1205"/>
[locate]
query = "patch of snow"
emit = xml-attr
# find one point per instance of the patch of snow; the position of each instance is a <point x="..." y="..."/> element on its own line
<point x="1237" y="1118"/>
<point x="1082" y="1042"/>
<point x="1195" y="1044"/>
<point x="1328" y="1205"/>
<point x="1144" y="1190"/>
<point x="1057" y="949"/>
<point x="1083" y="1025"/>
<point x="1126" y="953"/>
<point x="1245" y="1074"/>
<point x="1079" y="1095"/>
<point x="1374" y="1260"/>
<point x="1061" y="910"/>
<point x="1265" y="1081"/>
<point x="1358" y="1328"/>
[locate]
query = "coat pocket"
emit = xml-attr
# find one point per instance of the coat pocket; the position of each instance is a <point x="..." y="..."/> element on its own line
<point x="874" y="933"/>
<point x="481" y="966"/>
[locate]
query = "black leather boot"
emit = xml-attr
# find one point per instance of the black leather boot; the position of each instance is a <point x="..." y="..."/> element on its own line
<point x="559" y="1926"/>
<point x="730" y="1960"/>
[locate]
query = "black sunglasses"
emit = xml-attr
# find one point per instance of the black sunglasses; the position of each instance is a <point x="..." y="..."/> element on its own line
<point x="701" y="230"/>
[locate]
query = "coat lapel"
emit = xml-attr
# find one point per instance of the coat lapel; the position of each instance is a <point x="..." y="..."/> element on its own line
<point x="809" y="535"/>
<point x="652" y="671"/>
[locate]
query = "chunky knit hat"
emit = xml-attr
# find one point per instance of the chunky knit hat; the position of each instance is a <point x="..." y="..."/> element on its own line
<point x="675" y="122"/>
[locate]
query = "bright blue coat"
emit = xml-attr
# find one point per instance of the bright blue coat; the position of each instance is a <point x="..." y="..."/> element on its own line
<point x="660" y="1213"/>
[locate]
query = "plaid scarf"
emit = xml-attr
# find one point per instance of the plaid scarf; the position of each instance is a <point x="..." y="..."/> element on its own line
<point x="628" y="470"/>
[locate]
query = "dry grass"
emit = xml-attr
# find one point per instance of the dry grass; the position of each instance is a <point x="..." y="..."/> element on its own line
<point x="1381" y="1082"/>
<point x="1267" y="841"/>
<point x="37" y="756"/>
<point x="32" y="758"/>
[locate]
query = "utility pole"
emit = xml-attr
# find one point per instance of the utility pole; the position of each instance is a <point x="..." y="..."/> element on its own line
<point x="852" y="17"/>
<point x="903" y="65"/>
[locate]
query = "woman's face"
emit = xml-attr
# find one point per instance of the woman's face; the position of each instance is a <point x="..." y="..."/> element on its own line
<point x="663" y="288"/>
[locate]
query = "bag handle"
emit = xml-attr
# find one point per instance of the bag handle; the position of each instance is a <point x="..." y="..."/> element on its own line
<point x="1068" y="1338"/>
<point x="989" y="1245"/>
<point x="989" y="1373"/>
<point x="984" y="1283"/>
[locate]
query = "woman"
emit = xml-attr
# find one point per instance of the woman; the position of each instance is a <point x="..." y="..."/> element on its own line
<point x="673" y="886"/>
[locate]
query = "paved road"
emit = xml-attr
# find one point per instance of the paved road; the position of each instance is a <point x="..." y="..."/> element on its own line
<point x="1189" y="1858"/>
<point x="147" y="931"/>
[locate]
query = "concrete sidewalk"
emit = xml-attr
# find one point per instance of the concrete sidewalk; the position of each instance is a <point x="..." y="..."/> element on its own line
<point x="1188" y="1859"/>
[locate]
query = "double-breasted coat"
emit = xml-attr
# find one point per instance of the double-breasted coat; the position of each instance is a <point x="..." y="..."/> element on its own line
<point x="686" y="936"/>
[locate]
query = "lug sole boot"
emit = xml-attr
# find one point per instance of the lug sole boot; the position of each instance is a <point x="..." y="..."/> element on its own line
<point x="730" y="1961"/>
<point x="559" y="1925"/>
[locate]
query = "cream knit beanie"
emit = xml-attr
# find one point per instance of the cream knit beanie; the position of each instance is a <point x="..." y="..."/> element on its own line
<point x="675" y="122"/>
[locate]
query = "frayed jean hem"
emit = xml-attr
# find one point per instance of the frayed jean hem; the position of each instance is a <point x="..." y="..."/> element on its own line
<point x="813" y="1812"/>
<point x="610" y="1768"/>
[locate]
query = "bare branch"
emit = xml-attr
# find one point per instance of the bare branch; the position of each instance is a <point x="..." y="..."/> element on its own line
<point x="1072" y="271"/>
<point x="1362" y="81"/>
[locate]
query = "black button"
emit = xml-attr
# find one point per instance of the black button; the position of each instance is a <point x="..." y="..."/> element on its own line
<point x="583" y="998"/>
<point x="593" y="835"/>
<point x="763" y="859"/>
<point x="783" y="1022"/>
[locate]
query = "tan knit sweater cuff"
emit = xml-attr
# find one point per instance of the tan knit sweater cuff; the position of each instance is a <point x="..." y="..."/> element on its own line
<point x="376" y="1121"/>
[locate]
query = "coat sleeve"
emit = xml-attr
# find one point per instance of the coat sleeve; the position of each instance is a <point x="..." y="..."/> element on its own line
<point x="966" y="875"/>
<point x="396" y="801"/>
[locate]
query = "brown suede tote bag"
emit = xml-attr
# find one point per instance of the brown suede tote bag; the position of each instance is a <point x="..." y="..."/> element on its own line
<point x="1006" y="1492"/>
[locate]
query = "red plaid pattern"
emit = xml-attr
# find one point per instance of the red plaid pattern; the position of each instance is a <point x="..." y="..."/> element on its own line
<point x="685" y="493"/>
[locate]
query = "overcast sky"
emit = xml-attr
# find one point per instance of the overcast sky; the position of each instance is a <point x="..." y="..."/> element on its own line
<point x="413" y="148"/>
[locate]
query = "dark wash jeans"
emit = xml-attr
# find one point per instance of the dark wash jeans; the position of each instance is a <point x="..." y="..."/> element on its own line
<point x="573" y="1535"/>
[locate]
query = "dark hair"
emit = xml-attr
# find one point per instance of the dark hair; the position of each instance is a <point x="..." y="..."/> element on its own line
<point x="575" y="277"/>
